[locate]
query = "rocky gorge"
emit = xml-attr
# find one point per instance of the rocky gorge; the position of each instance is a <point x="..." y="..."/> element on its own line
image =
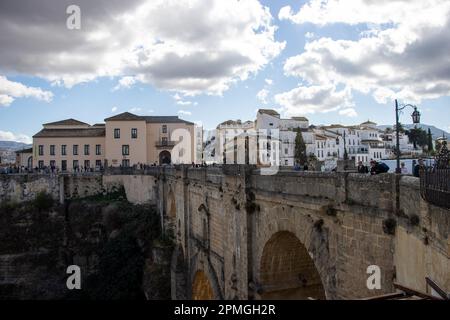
<point x="119" y="247"/>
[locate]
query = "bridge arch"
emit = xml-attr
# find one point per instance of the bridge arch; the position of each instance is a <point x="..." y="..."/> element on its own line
<point x="287" y="271"/>
<point x="204" y="280"/>
<point x="201" y="287"/>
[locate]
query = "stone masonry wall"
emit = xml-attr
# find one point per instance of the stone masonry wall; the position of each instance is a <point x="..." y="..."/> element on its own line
<point x="21" y="187"/>
<point x="18" y="188"/>
<point x="347" y="222"/>
<point x="223" y="218"/>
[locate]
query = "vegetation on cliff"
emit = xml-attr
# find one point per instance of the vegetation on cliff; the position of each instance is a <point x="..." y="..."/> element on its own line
<point x="119" y="247"/>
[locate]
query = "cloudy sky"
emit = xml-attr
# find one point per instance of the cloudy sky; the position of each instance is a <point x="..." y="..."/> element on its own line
<point x="334" y="61"/>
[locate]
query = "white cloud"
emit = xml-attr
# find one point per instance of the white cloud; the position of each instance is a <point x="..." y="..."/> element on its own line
<point x="309" y="100"/>
<point x="141" y="111"/>
<point x="135" y="110"/>
<point x="9" y="136"/>
<point x="188" y="46"/>
<point x="309" y="35"/>
<point x="125" y="83"/>
<point x="187" y="103"/>
<point x="349" y="112"/>
<point x="114" y="109"/>
<point x="323" y="12"/>
<point x="262" y="96"/>
<point x="402" y="52"/>
<point x="5" y="100"/>
<point x="10" y="90"/>
<point x="185" y="113"/>
<point x="179" y="100"/>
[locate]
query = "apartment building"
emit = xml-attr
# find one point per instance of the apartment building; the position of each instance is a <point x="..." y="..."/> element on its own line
<point x="406" y="147"/>
<point x="363" y="142"/>
<point x="69" y="144"/>
<point x="286" y="129"/>
<point x="132" y="139"/>
<point x="198" y="143"/>
<point x="229" y="142"/>
<point x="326" y="144"/>
<point x="123" y="140"/>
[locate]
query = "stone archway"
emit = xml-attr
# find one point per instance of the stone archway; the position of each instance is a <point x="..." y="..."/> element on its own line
<point x="287" y="271"/>
<point x="165" y="157"/>
<point x="201" y="287"/>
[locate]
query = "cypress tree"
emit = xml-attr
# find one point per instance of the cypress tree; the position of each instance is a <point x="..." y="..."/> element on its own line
<point x="430" y="141"/>
<point x="300" y="149"/>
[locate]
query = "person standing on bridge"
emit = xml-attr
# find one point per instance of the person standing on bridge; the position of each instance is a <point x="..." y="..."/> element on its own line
<point x="378" y="168"/>
<point x="403" y="168"/>
<point x="418" y="168"/>
<point x="362" y="168"/>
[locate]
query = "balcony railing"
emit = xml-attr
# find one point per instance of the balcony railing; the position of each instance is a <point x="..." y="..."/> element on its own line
<point x="165" y="144"/>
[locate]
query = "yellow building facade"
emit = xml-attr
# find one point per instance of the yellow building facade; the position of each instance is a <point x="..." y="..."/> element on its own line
<point x="123" y="140"/>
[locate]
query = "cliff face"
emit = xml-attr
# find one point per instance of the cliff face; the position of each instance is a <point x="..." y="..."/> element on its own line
<point x="115" y="244"/>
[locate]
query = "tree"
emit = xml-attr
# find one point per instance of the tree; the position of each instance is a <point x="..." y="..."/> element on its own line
<point x="418" y="137"/>
<point x="430" y="141"/>
<point x="300" y="148"/>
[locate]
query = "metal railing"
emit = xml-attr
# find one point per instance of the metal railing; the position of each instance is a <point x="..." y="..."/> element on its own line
<point x="165" y="144"/>
<point x="435" y="186"/>
<point x="435" y="181"/>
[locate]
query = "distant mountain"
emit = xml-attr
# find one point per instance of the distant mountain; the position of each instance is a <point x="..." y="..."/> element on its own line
<point x="435" y="132"/>
<point x="12" y="145"/>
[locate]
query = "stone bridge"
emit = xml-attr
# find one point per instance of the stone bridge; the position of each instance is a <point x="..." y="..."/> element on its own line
<point x="243" y="235"/>
<point x="295" y="235"/>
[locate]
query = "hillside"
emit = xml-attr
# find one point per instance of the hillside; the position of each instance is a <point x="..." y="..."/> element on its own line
<point x="436" y="132"/>
<point x="12" y="145"/>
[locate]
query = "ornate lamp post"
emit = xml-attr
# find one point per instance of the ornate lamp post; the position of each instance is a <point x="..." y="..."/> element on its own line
<point x="416" y="120"/>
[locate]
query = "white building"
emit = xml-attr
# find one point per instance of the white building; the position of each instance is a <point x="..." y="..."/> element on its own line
<point x="198" y="144"/>
<point x="327" y="144"/>
<point x="270" y="120"/>
<point x="210" y="154"/>
<point x="363" y="142"/>
<point x="235" y="142"/>
<point x="406" y="147"/>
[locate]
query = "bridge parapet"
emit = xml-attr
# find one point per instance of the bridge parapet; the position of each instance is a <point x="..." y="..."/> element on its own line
<point x="230" y="221"/>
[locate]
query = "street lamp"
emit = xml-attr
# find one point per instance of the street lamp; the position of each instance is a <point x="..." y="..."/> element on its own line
<point x="416" y="120"/>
